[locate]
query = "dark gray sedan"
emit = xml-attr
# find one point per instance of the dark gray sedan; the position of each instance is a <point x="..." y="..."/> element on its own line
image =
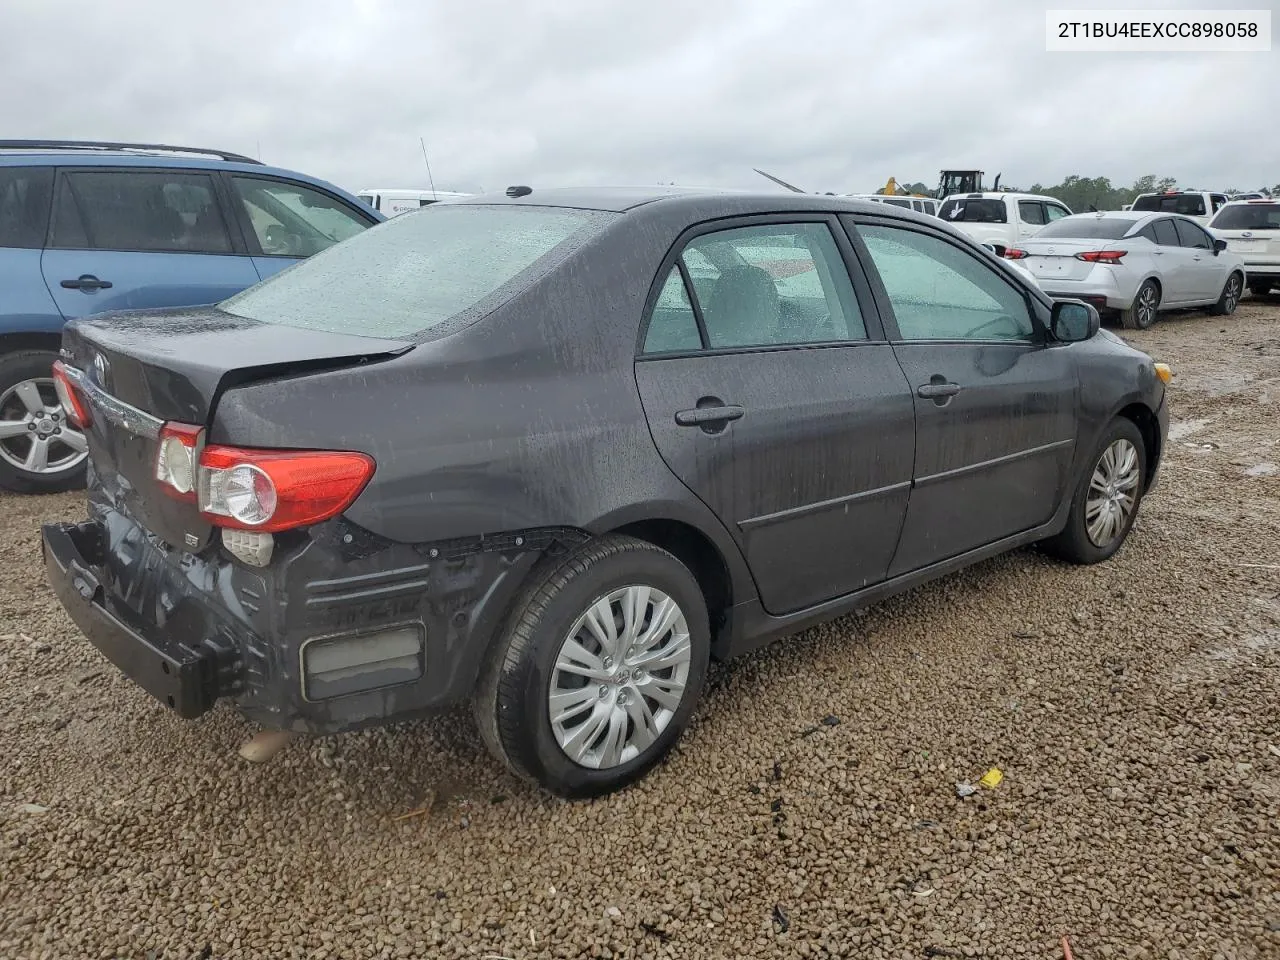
<point x="550" y="452"/>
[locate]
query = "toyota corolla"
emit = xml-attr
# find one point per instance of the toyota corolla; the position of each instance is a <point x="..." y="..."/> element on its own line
<point x="550" y="452"/>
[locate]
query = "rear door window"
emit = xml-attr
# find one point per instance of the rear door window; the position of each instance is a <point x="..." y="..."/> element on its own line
<point x="1031" y="211"/>
<point x="773" y="284"/>
<point x="162" y="211"/>
<point x="1165" y="234"/>
<point x="1190" y="235"/>
<point x="24" y="205"/>
<point x="673" y="326"/>
<point x="292" y="220"/>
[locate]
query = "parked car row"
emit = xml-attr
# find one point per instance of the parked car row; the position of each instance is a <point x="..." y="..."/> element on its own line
<point x="90" y="227"/>
<point x="550" y="451"/>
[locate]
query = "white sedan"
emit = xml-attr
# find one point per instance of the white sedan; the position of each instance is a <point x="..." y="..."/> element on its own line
<point x="1134" y="263"/>
<point x="1252" y="229"/>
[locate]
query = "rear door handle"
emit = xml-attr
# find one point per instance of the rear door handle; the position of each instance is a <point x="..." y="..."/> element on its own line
<point x="709" y="416"/>
<point x="937" y="390"/>
<point x="87" y="282"/>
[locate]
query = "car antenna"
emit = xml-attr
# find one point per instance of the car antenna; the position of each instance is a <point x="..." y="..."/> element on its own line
<point x="778" y="180"/>
<point x="430" y="179"/>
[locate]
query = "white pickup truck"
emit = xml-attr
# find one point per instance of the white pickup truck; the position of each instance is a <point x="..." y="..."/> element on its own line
<point x="1199" y="205"/>
<point x="1001" y="219"/>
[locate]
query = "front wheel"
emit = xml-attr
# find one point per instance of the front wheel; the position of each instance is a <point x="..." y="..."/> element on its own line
<point x="1142" y="313"/>
<point x="599" y="671"/>
<point x="1230" y="298"/>
<point x="40" y="452"/>
<point x="1106" y="500"/>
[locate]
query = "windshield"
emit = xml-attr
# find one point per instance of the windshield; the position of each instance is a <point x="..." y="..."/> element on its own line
<point x="1087" y="228"/>
<point x="1253" y="216"/>
<point x="1187" y="204"/>
<point x="974" y="211"/>
<point x="414" y="273"/>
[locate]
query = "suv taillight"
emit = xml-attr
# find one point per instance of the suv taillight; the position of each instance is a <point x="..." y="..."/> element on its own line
<point x="73" y="401"/>
<point x="274" y="490"/>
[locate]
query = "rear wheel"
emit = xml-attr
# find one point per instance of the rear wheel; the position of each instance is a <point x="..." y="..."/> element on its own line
<point x="1230" y="298"/>
<point x="1107" y="497"/>
<point x="599" y="671"/>
<point x="1146" y="304"/>
<point x="39" y="451"/>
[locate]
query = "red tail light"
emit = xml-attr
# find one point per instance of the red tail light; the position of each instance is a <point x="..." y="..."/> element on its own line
<point x="1013" y="253"/>
<point x="1102" y="256"/>
<point x="274" y="490"/>
<point x="73" y="401"/>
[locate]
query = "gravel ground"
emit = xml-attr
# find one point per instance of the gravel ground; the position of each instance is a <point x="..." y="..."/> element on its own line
<point x="1132" y="707"/>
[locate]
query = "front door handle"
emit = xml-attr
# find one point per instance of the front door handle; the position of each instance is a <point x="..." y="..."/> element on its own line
<point x="709" y="417"/>
<point x="87" y="282"/>
<point x="937" y="391"/>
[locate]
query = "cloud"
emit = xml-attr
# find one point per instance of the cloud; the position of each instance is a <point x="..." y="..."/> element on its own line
<point x="829" y="95"/>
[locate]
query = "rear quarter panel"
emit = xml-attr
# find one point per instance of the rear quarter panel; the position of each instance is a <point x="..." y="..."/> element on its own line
<point x="528" y="419"/>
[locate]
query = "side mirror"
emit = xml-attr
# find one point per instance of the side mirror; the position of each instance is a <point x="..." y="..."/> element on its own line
<point x="1219" y="246"/>
<point x="1073" y="321"/>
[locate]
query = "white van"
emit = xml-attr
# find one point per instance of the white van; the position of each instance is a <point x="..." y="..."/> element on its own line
<point x="393" y="201"/>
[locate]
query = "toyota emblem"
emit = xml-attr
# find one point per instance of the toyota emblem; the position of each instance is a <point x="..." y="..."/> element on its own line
<point x="100" y="368"/>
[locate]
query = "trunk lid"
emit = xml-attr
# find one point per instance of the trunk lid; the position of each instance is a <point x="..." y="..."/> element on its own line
<point x="142" y="369"/>
<point x="1050" y="260"/>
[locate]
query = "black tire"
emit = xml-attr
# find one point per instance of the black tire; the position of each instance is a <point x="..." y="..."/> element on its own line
<point x="1230" y="298"/>
<point x="1145" y="308"/>
<point x="1074" y="544"/>
<point x="1260" y="288"/>
<point x="15" y="368"/>
<point x="511" y="702"/>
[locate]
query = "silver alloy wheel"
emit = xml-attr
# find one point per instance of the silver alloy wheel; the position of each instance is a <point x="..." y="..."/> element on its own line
<point x="1147" y="302"/>
<point x="619" y="677"/>
<point x="34" y="433"/>
<point x="1231" y="297"/>
<point x="1113" y="493"/>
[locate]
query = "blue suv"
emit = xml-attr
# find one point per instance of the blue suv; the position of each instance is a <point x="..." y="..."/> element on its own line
<point x="87" y="227"/>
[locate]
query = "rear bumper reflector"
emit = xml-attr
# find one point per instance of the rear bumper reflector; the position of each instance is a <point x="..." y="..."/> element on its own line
<point x="336" y="666"/>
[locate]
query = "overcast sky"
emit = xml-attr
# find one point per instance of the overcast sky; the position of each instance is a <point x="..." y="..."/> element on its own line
<point x="828" y="94"/>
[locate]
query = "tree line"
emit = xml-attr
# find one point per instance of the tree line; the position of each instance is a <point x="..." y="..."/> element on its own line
<point x="1081" y="193"/>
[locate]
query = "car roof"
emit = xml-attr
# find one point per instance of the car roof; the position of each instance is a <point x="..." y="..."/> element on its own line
<point x="705" y="199"/>
<point x="413" y="192"/>
<point x="1000" y="195"/>
<point x="161" y="157"/>
<point x="1134" y="215"/>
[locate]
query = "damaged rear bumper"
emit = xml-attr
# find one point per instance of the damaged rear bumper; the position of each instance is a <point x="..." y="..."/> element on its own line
<point x="192" y="629"/>
<point x="177" y="675"/>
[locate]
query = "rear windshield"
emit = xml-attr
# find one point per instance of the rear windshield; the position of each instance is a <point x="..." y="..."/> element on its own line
<point x="974" y="211"/>
<point x="1253" y="216"/>
<point x="1087" y="228"/>
<point x="1187" y="204"/>
<point x="416" y="272"/>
